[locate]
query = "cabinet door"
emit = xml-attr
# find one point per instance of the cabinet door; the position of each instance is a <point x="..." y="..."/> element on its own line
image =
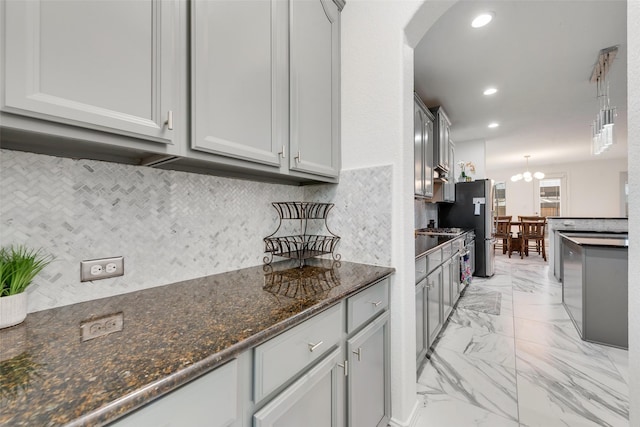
<point x="418" y="150"/>
<point x="434" y="293"/>
<point x="105" y="65"/>
<point x="445" y="144"/>
<point x="421" y="322"/>
<point x="455" y="278"/>
<point x="447" y="301"/>
<point x="450" y="186"/>
<point x="212" y="401"/>
<point x="368" y="381"/>
<point x="315" y="400"/>
<point x="314" y="49"/>
<point x="239" y="79"/>
<point x="428" y="158"/>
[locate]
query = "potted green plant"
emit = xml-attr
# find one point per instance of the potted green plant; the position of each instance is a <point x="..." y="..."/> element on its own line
<point x="18" y="266"/>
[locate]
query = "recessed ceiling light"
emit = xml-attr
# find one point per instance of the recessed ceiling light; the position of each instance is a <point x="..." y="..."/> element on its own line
<point x="490" y="91"/>
<point x="481" y="20"/>
<point x="493" y="125"/>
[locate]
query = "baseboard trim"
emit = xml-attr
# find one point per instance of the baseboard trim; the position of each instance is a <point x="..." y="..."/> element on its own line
<point x="410" y="422"/>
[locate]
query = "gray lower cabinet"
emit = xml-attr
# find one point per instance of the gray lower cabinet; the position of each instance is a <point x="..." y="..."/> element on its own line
<point x="447" y="294"/>
<point x="209" y="401"/>
<point x="348" y="384"/>
<point x="332" y="370"/>
<point x="456" y="263"/>
<point x="595" y="289"/>
<point x="108" y="66"/>
<point x="434" y="294"/>
<point x="421" y="321"/>
<point x="368" y="397"/>
<point x="315" y="400"/>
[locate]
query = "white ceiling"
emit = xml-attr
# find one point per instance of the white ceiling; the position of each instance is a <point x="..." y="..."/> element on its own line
<point x="540" y="55"/>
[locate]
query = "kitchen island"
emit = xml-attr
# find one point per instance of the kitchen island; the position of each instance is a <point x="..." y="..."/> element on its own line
<point x="171" y="335"/>
<point x="557" y="225"/>
<point x="594" y="274"/>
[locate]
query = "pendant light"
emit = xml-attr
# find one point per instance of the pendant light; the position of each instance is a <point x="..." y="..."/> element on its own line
<point x="526" y="175"/>
<point x="602" y="129"/>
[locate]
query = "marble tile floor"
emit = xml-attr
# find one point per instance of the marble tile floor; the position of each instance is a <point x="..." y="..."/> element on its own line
<point x="520" y="361"/>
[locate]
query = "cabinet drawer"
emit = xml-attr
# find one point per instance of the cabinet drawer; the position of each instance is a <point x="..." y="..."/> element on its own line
<point x="421" y="268"/>
<point x="366" y="304"/>
<point x="434" y="259"/>
<point x="282" y="357"/>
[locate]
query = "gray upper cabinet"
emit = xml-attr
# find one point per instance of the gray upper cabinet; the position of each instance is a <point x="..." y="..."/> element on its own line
<point x="314" y="46"/>
<point x="442" y="125"/>
<point x="265" y="85"/>
<point x="113" y="80"/>
<point x="423" y="149"/>
<point x="103" y="65"/>
<point x="450" y="185"/>
<point x="239" y="80"/>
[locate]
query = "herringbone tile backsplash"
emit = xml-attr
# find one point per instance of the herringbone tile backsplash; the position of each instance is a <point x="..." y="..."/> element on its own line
<point x="169" y="226"/>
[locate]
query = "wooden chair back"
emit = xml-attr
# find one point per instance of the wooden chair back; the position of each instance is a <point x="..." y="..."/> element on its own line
<point x="503" y="228"/>
<point x="532" y="229"/>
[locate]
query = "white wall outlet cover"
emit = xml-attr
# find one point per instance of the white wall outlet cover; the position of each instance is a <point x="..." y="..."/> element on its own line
<point x="103" y="268"/>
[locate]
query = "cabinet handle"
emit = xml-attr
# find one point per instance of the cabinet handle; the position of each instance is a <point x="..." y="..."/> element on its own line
<point x="298" y="158"/>
<point x="358" y="353"/>
<point x="283" y="153"/>
<point x="345" y="367"/>
<point x="314" y="346"/>
<point x="375" y="304"/>
<point x="169" y="121"/>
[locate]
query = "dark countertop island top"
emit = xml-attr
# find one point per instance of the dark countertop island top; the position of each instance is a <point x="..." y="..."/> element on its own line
<point x="588" y="217"/>
<point x="171" y="334"/>
<point x="610" y="242"/>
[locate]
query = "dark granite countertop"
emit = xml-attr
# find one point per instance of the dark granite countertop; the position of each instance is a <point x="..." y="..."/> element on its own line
<point x="610" y="242"/>
<point x="426" y="244"/>
<point x="172" y="334"/>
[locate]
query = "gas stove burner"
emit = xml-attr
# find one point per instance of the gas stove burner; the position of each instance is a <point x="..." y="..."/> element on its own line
<point x="440" y="231"/>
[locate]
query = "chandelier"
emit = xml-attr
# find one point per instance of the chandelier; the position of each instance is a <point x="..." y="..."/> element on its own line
<point x="527" y="176"/>
<point x="602" y="128"/>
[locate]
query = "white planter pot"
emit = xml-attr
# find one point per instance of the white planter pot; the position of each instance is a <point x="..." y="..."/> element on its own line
<point x="13" y="309"/>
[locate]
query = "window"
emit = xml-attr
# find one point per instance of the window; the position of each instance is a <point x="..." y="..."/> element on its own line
<point x="550" y="197"/>
<point x="500" y="207"/>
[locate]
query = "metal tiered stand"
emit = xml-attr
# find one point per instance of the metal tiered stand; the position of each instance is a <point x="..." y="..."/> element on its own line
<point x="301" y="246"/>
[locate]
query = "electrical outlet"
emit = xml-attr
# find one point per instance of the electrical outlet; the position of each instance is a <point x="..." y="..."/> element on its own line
<point x="105" y="325"/>
<point x="102" y="268"/>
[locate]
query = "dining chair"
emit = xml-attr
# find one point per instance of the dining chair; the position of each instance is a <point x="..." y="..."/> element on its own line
<point x="502" y="233"/>
<point x="532" y="231"/>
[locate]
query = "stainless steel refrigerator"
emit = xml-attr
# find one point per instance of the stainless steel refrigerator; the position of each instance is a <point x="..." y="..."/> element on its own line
<point x="473" y="209"/>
